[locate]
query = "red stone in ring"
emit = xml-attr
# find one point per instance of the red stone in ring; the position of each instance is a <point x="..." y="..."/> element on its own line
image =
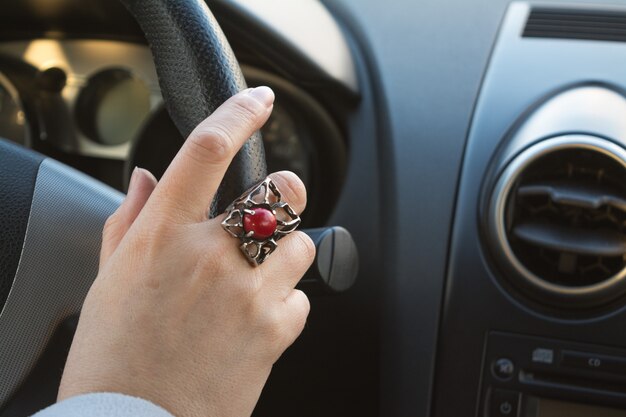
<point x="262" y="223"/>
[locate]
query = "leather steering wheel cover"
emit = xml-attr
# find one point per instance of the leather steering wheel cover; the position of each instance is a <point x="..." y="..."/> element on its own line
<point x="197" y="72"/>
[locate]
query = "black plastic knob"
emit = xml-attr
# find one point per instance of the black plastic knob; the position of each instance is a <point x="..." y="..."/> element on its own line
<point x="336" y="262"/>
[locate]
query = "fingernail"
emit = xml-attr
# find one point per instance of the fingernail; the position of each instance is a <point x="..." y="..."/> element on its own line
<point x="133" y="180"/>
<point x="263" y="95"/>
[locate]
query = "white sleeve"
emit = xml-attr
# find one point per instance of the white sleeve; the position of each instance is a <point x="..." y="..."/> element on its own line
<point x="103" y="405"/>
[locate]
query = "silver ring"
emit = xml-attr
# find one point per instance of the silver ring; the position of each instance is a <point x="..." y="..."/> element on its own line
<point x="259" y="218"/>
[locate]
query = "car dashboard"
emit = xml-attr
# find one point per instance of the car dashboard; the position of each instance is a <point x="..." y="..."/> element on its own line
<point x="96" y="105"/>
<point x="475" y="151"/>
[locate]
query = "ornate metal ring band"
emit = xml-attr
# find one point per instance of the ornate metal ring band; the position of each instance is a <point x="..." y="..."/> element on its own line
<point x="259" y="218"/>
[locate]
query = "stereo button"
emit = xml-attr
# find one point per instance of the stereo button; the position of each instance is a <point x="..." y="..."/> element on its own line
<point x="593" y="362"/>
<point x="504" y="403"/>
<point x="503" y="369"/>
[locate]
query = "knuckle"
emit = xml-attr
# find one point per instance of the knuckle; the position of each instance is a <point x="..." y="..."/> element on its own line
<point x="291" y="186"/>
<point x="158" y="235"/>
<point x="212" y="262"/>
<point x="299" y="323"/>
<point x="306" y="246"/>
<point x="247" y="108"/>
<point x="110" y="223"/>
<point x="213" y="144"/>
<point x="302" y="307"/>
<point x="161" y="228"/>
<point x="218" y="251"/>
<point x="303" y="302"/>
<point x="274" y="327"/>
<point x="246" y="290"/>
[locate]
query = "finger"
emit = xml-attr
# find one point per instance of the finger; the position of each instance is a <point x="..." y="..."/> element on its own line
<point x="291" y="188"/>
<point x="284" y="268"/>
<point x="189" y="184"/>
<point x="141" y="185"/>
<point x="292" y="191"/>
<point x="280" y="272"/>
<point x="296" y="251"/>
<point x="297" y="308"/>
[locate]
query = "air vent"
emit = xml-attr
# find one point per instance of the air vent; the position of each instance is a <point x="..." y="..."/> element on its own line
<point x="559" y="210"/>
<point x="586" y="24"/>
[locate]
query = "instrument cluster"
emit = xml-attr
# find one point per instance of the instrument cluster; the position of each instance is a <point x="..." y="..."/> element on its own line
<point x="13" y="125"/>
<point x="96" y="105"/>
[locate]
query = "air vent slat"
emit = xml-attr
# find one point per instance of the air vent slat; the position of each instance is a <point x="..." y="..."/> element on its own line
<point x="578" y="36"/>
<point x="588" y="195"/>
<point x="576" y="24"/>
<point x="575" y="241"/>
<point x="541" y="16"/>
<point x="605" y="30"/>
<point x="555" y="21"/>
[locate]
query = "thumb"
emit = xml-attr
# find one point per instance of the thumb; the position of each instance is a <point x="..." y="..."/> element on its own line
<point x="141" y="185"/>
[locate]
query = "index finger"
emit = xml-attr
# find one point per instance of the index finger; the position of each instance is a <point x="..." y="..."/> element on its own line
<point x="189" y="184"/>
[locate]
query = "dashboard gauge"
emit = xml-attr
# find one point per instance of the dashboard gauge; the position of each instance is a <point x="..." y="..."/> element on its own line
<point x="300" y="136"/>
<point x="112" y="107"/>
<point x="284" y="145"/>
<point x="13" y="124"/>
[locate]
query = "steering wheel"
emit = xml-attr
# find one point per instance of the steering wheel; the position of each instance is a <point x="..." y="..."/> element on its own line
<point x="51" y="216"/>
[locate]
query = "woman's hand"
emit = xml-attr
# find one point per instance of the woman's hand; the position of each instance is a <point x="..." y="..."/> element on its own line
<point x="176" y="315"/>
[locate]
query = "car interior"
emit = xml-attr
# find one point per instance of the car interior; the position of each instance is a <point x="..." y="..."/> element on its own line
<point x="465" y="163"/>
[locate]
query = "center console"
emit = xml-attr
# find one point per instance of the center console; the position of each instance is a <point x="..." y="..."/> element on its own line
<point x="535" y="300"/>
<point x="538" y="377"/>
